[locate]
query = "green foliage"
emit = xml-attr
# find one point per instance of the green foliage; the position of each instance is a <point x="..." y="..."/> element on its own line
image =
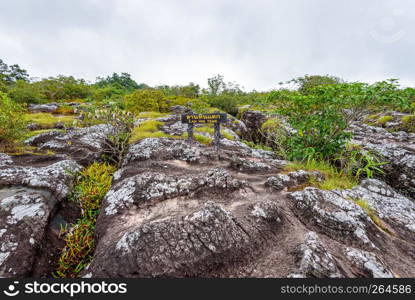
<point x="151" y="115"/>
<point x="187" y="91"/>
<point x="408" y="123"/>
<point x="203" y="139"/>
<point x="148" y="129"/>
<point x="11" y="74"/>
<point x="91" y="186"/>
<point x="210" y="130"/>
<point x="25" y="92"/>
<point x="383" y="120"/>
<point x="145" y="100"/>
<point x="307" y="83"/>
<point x="119" y="82"/>
<point x="157" y="101"/>
<point x="12" y="122"/>
<point x="320" y="127"/>
<point x="334" y="179"/>
<point x="63" y="88"/>
<point x="359" y="163"/>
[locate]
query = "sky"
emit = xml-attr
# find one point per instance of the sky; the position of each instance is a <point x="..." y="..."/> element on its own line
<point x="254" y="43"/>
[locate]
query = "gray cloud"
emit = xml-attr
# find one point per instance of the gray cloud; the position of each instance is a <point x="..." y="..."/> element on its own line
<point x="256" y="43"/>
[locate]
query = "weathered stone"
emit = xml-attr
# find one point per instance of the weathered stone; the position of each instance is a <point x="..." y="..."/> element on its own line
<point x="398" y="149"/>
<point x="393" y="208"/>
<point x="292" y="179"/>
<point x="24" y="215"/>
<point x="153" y="186"/>
<point x="85" y="145"/>
<point x="335" y="216"/>
<point x="56" y="177"/>
<point x="202" y="243"/>
<point x="369" y="264"/>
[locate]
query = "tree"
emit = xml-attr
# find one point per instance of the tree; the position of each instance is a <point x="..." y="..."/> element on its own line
<point x="123" y="81"/>
<point x="216" y="85"/>
<point x="10" y="74"/>
<point x="308" y="82"/>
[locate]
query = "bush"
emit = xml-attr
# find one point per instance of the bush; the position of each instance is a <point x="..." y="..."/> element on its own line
<point x="145" y="100"/>
<point x="25" y="92"/>
<point x="12" y="122"/>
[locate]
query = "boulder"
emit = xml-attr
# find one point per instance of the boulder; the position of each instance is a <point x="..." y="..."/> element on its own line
<point x="29" y="195"/>
<point x="314" y="260"/>
<point x="84" y="145"/>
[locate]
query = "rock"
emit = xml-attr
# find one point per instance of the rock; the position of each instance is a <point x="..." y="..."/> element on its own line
<point x="5" y="160"/>
<point x="153" y="186"/>
<point x="60" y="125"/>
<point x="24" y="215"/>
<point x="202" y="243"/>
<point x="391" y="207"/>
<point x="162" y="149"/>
<point x="368" y="264"/>
<point x="398" y="149"/>
<point x="253" y="121"/>
<point x="314" y="260"/>
<point x="292" y="179"/>
<point x="249" y="165"/>
<point x="33" y="126"/>
<point x="335" y="216"/>
<point x="56" y="178"/>
<point x="178" y="109"/>
<point x="29" y="195"/>
<point x="46" y="108"/>
<point x="176" y="129"/>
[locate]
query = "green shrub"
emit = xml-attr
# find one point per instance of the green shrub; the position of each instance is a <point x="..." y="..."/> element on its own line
<point x="408" y="123"/>
<point x="12" y="122"/>
<point x="25" y="92"/>
<point x="145" y="100"/>
<point x="91" y="186"/>
<point x="148" y="129"/>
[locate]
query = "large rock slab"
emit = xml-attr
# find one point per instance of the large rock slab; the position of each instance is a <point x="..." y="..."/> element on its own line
<point x="397" y="148"/>
<point x="29" y="196"/>
<point x="84" y="145"/>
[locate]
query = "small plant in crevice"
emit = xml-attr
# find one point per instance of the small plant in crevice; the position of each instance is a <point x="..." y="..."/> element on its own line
<point x="120" y="124"/>
<point x="91" y="186"/>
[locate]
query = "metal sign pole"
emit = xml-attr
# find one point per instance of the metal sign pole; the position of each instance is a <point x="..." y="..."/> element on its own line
<point x="190" y="132"/>
<point x="217" y="136"/>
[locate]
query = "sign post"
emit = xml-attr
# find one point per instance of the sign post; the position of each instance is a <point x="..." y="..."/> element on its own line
<point x="214" y="118"/>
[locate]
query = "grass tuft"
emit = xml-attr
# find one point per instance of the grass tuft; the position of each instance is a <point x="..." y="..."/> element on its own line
<point x="91" y="186"/>
<point x="148" y="129"/>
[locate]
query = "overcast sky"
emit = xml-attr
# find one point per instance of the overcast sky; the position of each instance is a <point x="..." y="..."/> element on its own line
<point x="255" y="43"/>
